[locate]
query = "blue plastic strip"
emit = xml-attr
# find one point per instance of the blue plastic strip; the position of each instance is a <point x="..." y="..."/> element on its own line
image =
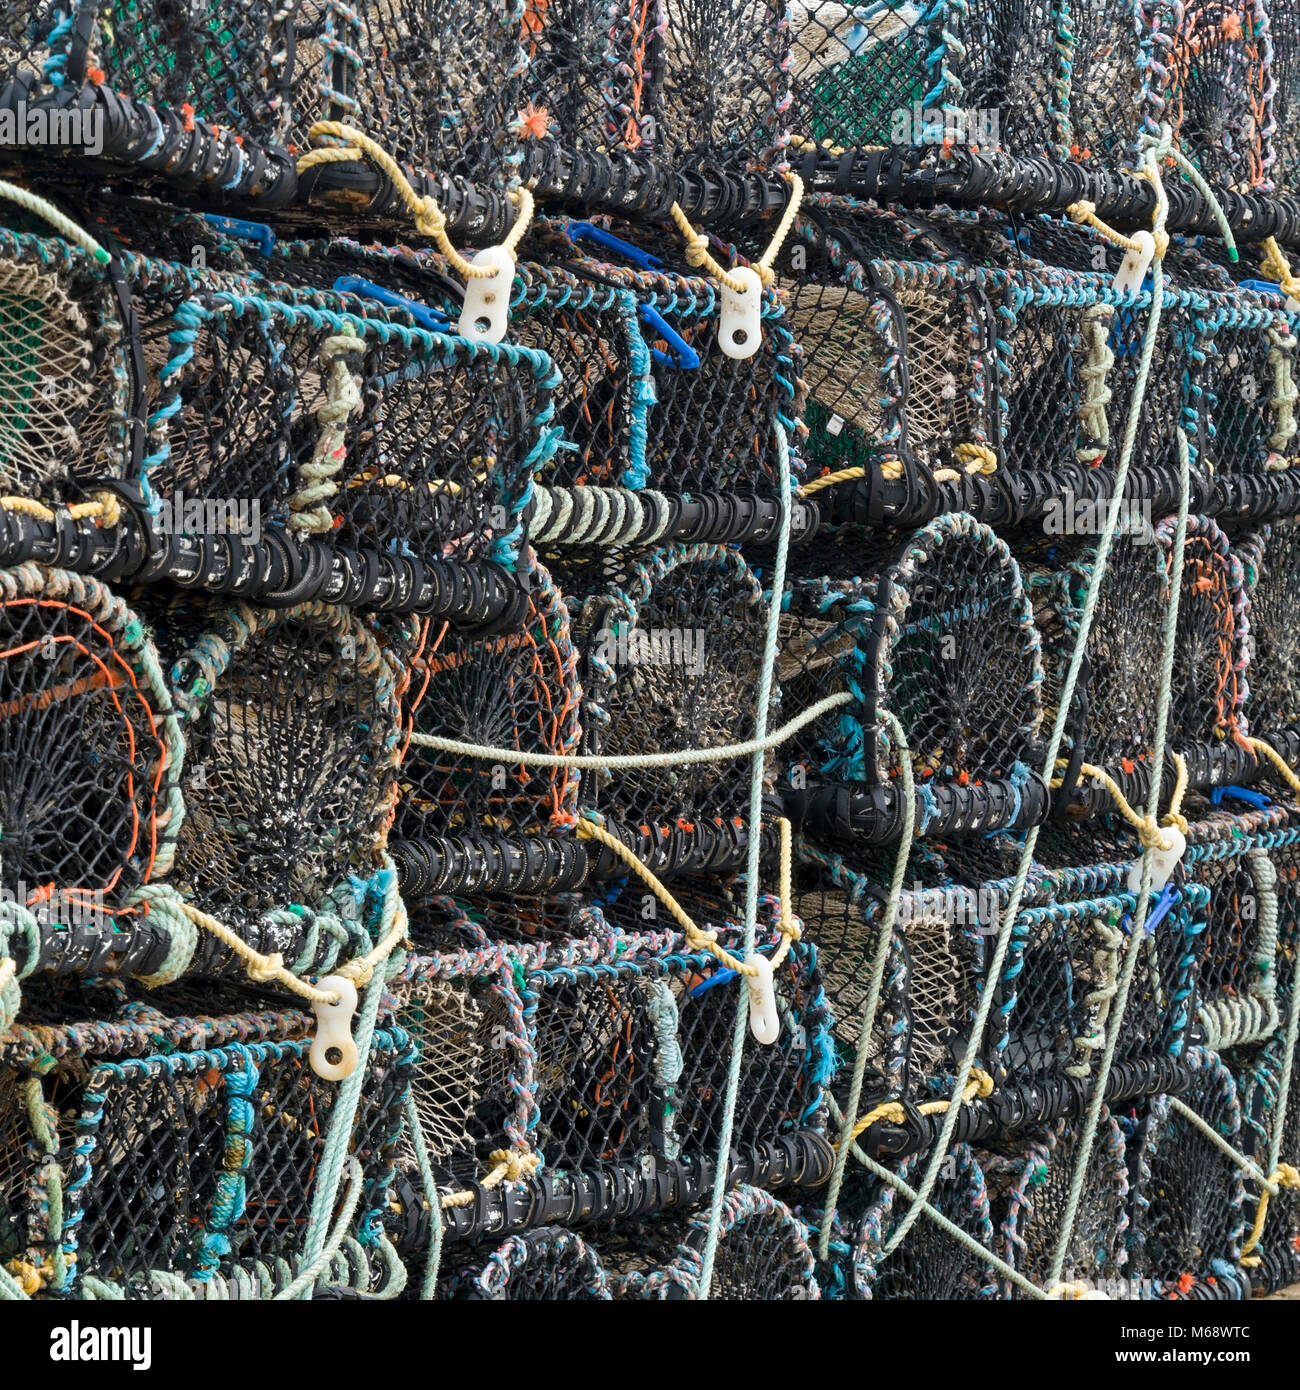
<point x="421" y="313"/>
<point x="257" y="232"/>
<point x="687" y="358"/>
<point x="588" y="231"/>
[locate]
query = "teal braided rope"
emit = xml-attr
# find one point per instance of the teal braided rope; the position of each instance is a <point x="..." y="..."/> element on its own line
<point x="330" y="1172"/>
<point x="328" y="1247"/>
<point x="1012" y="911"/>
<point x="10" y="1289"/>
<point x="875" y="985"/>
<point x="1288" y="1061"/>
<point x="751" y="864"/>
<point x="434" y="1258"/>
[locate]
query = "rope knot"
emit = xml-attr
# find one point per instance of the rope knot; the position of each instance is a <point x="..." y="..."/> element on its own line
<point x="360" y="971"/>
<point x="430" y="218"/>
<point x="1068" y="1292"/>
<point x="697" y="250"/>
<point x="515" y="1166"/>
<point x="266" y="969"/>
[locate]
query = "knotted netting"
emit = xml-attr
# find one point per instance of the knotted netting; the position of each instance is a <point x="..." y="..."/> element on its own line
<point x="1112" y="721"/>
<point x="1186" y="1221"/>
<point x="1029" y="1180"/>
<point x="670" y="649"/>
<point x="762" y="1253"/>
<point x="944" y="638"/>
<point x="1271" y="558"/>
<point x="1101" y="108"/>
<point x="930" y="1263"/>
<point x="1259" y="1081"/>
<point x="1284" y="27"/>
<point x="159" y="1144"/>
<point x="547" y="1265"/>
<point x="514" y="691"/>
<point x="90" y="748"/>
<point x="294" y="718"/>
<point x="1211" y="643"/>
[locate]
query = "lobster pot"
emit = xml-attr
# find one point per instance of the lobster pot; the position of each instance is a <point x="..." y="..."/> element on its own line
<point x="1271" y="560"/>
<point x="933" y="974"/>
<point x="228" y="65"/>
<point x="1186" y="1221"/>
<point x="763" y="1252"/>
<point x="633" y="1052"/>
<point x="1285" y="859"/>
<point x="1053" y="1004"/>
<point x="1211" y="648"/>
<point x="547" y="1265"/>
<point x="180" y="1145"/>
<point x="31" y="37"/>
<point x="929" y="1264"/>
<point x="1029" y="1184"/>
<point x="1108" y="94"/>
<point x="1217" y="90"/>
<point x="1011" y="72"/>
<point x="357" y="428"/>
<point x="292" y="720"/>
<point x="670" y="649"/>
<point x="957" y="658"/>
<point x="90" y="766"/>
<point x="896" y="336"/>
<point x="1236" y="990"/>
<point x="442" y="85"/>
<point x="865" y="76"/>
<point x="1111" y="724"/>
<point x="471" y="1075"/>
<point x="518" y="690"/>
<point x="1276" y="1259"/>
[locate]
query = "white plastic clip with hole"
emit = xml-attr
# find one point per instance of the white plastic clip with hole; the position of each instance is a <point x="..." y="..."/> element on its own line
<point x="333" y="1053"/>
<point x="486" y="314"/>
<point x="1163" y="861"/>
<point x="740" y="334"/>
<point x="1136" y="263"/>
<point x="764" y="1021"/>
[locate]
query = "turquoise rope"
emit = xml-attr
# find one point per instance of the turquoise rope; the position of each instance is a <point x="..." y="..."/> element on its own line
<point x="751" y="866"/>
<point x="434" y="1258"/>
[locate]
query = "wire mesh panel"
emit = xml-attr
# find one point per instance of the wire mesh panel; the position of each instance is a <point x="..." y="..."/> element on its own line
<point x="547" y="1265"/>
<point x="1185" y="1194"/>
<point x="1284" y="27"/>
<point x="293" y="725"/>
<point x="1275" y="1262"/>
<point x="671" y="649"/>
<point x="1109" y="95"/>
<point x="1211" y="643"/>
<point x="929" y="1264"/>
<point x="1218" y="89"/>
<point x="956" y="657"/>
<point x="1271" y="559"/>
<point x="90" y="749"/>
<point x="763" y="1252"/>
<point x="1029" y="1183"/>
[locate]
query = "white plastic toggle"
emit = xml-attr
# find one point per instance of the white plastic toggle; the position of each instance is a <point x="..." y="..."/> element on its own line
<point x="333" y="1053"/>
<point x="486" y="314"/>
<point x="1163" y="861"/>
<point x="764" y="1021"/>
<point x="1136" y="263"/>
<point x="740" y="334"/>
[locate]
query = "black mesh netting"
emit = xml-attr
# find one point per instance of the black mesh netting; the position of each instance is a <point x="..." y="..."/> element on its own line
<point x="1259" y="1081"/>
<point x="763" y="1253"/>
<point x="957" y="659"/>
<point x="1029" y="1182"/>
<point x="293" y="725"/>
<point x="546" y="1265"/>
<point x="1284" y="22"/>
<point x="1271" y="559"/>
<point x="1185" y="1193"/>
<point x="90" y="753"/>
<point x="1107" y="103"/>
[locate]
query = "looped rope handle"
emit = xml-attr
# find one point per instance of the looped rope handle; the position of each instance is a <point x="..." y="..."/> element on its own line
<point x="41" y="208"/>
<point x="697" y="244"/>
<point x="1148" y="831"/>
<point x="979" y="1086"/>
<point x="429" y="218"/>
<point x="1276" y="266"/>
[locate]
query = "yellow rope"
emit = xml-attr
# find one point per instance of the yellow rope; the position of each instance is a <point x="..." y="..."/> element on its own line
<point x="845" y="475"/>
<point x="701" y="940"/>
<point x="1275" y="266"/>
<point x="1283" y="1176"/>
<point x="1085" y="213"/>
<point x="1072" y="1293"/>
<point x="429" y="218"/>
<point x="510" y="1167"/>
<point x="8" y="969"/>
<point x="104" y="507"/>
<point x="1175" y="815"/>
<point x="980" y="1084"/>
<point x="265" y="968"/>
<point x="974" y="458"/>
<point x="1148" y="831"/>
<point x="1278" y="761"/>
<point x="697" y="244"/>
